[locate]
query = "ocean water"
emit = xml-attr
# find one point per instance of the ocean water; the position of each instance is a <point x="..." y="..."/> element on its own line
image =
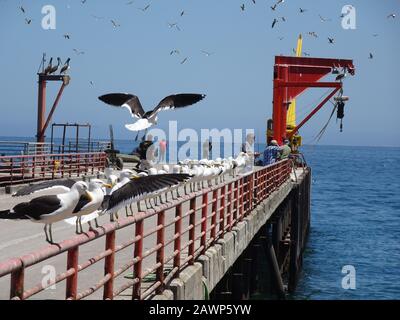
<point x="355" y="221"/>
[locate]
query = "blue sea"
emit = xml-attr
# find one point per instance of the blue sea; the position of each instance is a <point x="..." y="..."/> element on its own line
<point x="355" y="222"/>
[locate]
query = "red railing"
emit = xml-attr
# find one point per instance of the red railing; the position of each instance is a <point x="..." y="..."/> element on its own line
<point x="30" y="168"/>
<point x="163" y="240"/>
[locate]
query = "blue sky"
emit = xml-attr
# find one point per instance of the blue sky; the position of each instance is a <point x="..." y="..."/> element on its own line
<point x="237" y="77"/>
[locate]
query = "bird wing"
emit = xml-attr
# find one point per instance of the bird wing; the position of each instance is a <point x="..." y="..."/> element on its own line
<point x="37" y="207"/>
<point x="138" y="187"/>
<point x="126" y="100"/>
<point x="139" y="125"/>
<point x="45" y="187"/>
<point x="176" y="101"/>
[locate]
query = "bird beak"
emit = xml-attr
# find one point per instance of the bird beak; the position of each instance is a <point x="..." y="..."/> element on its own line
<point x="135" y="177"/>
<point x="89" y="196"/>
<point x="107" y="185"/>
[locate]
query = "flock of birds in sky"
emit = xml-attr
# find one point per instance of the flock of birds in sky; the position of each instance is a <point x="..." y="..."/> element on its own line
<point x="77" y="202"/>
<point x="275" y="7"/>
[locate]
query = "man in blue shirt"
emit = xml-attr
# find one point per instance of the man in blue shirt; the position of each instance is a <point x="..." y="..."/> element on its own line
<point x="271" y="153"/>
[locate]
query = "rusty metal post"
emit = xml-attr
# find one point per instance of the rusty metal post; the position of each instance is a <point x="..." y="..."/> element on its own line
<point x="204" y="212"/>
<point x="72" y="281"/>
<point x="214" y="215"/>
<point x="192" y="231"/>
<point x="41" y="109"/>
<point x="138" y="254"/>
<point x="229" y="209"/>
<point x="109" y="266"/>
<point x="236" y="202"/>
<point x="222" y="210"/>
<point x="178" y="232"/>
<point x="17" y="283"/>
<point x="160" y="251"/>
<point x="241" y="199"/>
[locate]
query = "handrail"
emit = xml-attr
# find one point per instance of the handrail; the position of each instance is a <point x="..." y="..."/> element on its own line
<point x="195" y="225"/>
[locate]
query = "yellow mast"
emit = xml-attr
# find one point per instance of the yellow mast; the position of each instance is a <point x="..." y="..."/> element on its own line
<point x="291" y="114"/>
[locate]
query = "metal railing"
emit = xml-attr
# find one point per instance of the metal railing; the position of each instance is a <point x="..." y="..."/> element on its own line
<point x="32" y="148"/>
<point x="178" y="232"/>
<point x="30" y="168"/>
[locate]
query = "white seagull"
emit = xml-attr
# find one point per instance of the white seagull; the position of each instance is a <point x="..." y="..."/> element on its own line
<point x="48" y="209"/>
<point x="149" y="118"/>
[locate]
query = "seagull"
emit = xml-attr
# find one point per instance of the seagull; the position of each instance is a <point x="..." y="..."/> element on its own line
<point x="67" y="36"/>
<point x="130" y="2"/>
<point x="89" y="204"/>
<point x="375" y="35"/>
<point x="323" y="19"/>
<point x="22" y="9"/>
<point x="174" y="25"/>
<point x="207" y="53"/>
<point x="242" y="7"/>
<point x="28" y="21"/>
<point x="55" y="68"/>
<point x="281" y="38"/>
<point x="392" y="15"/>
<point x="184" y="60"/>
<point x="274" y="22"/>
<point x="313" y="34"/>
<point x="331" y="40"/>
<point x="149" y="118"/>
<point x="49" y="66"/>
<point x="83" y="1"/>
<point x="65" y="67"/>
<point x="302" y="10"/>
<point x="48" y="209"/>
<point x="182" y="13"/>
<point x="175" y="51"/>
<point x="115" y="24"/>
<point x="145" y="8"/>
<point x="273" y="7"/>
<point x="371" y="56"/>
<point x="91" y="82"/>
<point x="283" y="19"/>
<point x="306" y="54"/>
<point x="78" y="52"/>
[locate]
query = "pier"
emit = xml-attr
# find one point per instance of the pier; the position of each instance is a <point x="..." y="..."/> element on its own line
<point x="234" y="240"/>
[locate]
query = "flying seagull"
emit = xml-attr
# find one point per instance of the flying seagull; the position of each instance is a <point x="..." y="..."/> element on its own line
<point x="78" y="52"/>
<point x="302" y="10"/>
<point x="184" y="60"/>
<point x="313" y="34"/>
<point x="206" y="53"/>
<point x="274" y="22"/>
<point x="242" y="7"/>
<point x="273" y="7"/>
<point x="149" y="118"/>
<point x="28" y="21"/>
<point x="323" y="19"/>
<point x="371" y="56"/>
<point x="145" y="8"/>
<point x="331" y="40"/>
<point x="48" y="209"/>
<point x="174" y="25"/>
<point x="182" y="13"/>
<point x="67" y="36"/>
<point x="392" y="15"/>
<point x="22" y="9"/>
<point x="115" y="24"/>
<point x="175" y="51"/>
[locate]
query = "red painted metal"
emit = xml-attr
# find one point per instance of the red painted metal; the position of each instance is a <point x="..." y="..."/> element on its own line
<point x="72" y="280"/>
<point x="109" y="266"/>
<point x="292" y="76"/>
<point x="225" y="197"/>
<point x="30" y="168"/>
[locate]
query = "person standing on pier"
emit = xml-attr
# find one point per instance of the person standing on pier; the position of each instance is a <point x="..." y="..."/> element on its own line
<point x="271" y="153"/>
<point x="285" y="150"/>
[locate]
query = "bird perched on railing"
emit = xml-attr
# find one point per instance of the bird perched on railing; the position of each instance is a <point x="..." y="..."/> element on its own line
<point x="55" y="68"/>
<point x="48" y="209"/>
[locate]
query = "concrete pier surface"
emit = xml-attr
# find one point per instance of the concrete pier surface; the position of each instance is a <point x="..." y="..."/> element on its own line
<point x="22" y="237"/>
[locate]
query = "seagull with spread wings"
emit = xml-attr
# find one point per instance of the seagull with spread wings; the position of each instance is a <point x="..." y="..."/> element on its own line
<point x="149" y="118"/>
